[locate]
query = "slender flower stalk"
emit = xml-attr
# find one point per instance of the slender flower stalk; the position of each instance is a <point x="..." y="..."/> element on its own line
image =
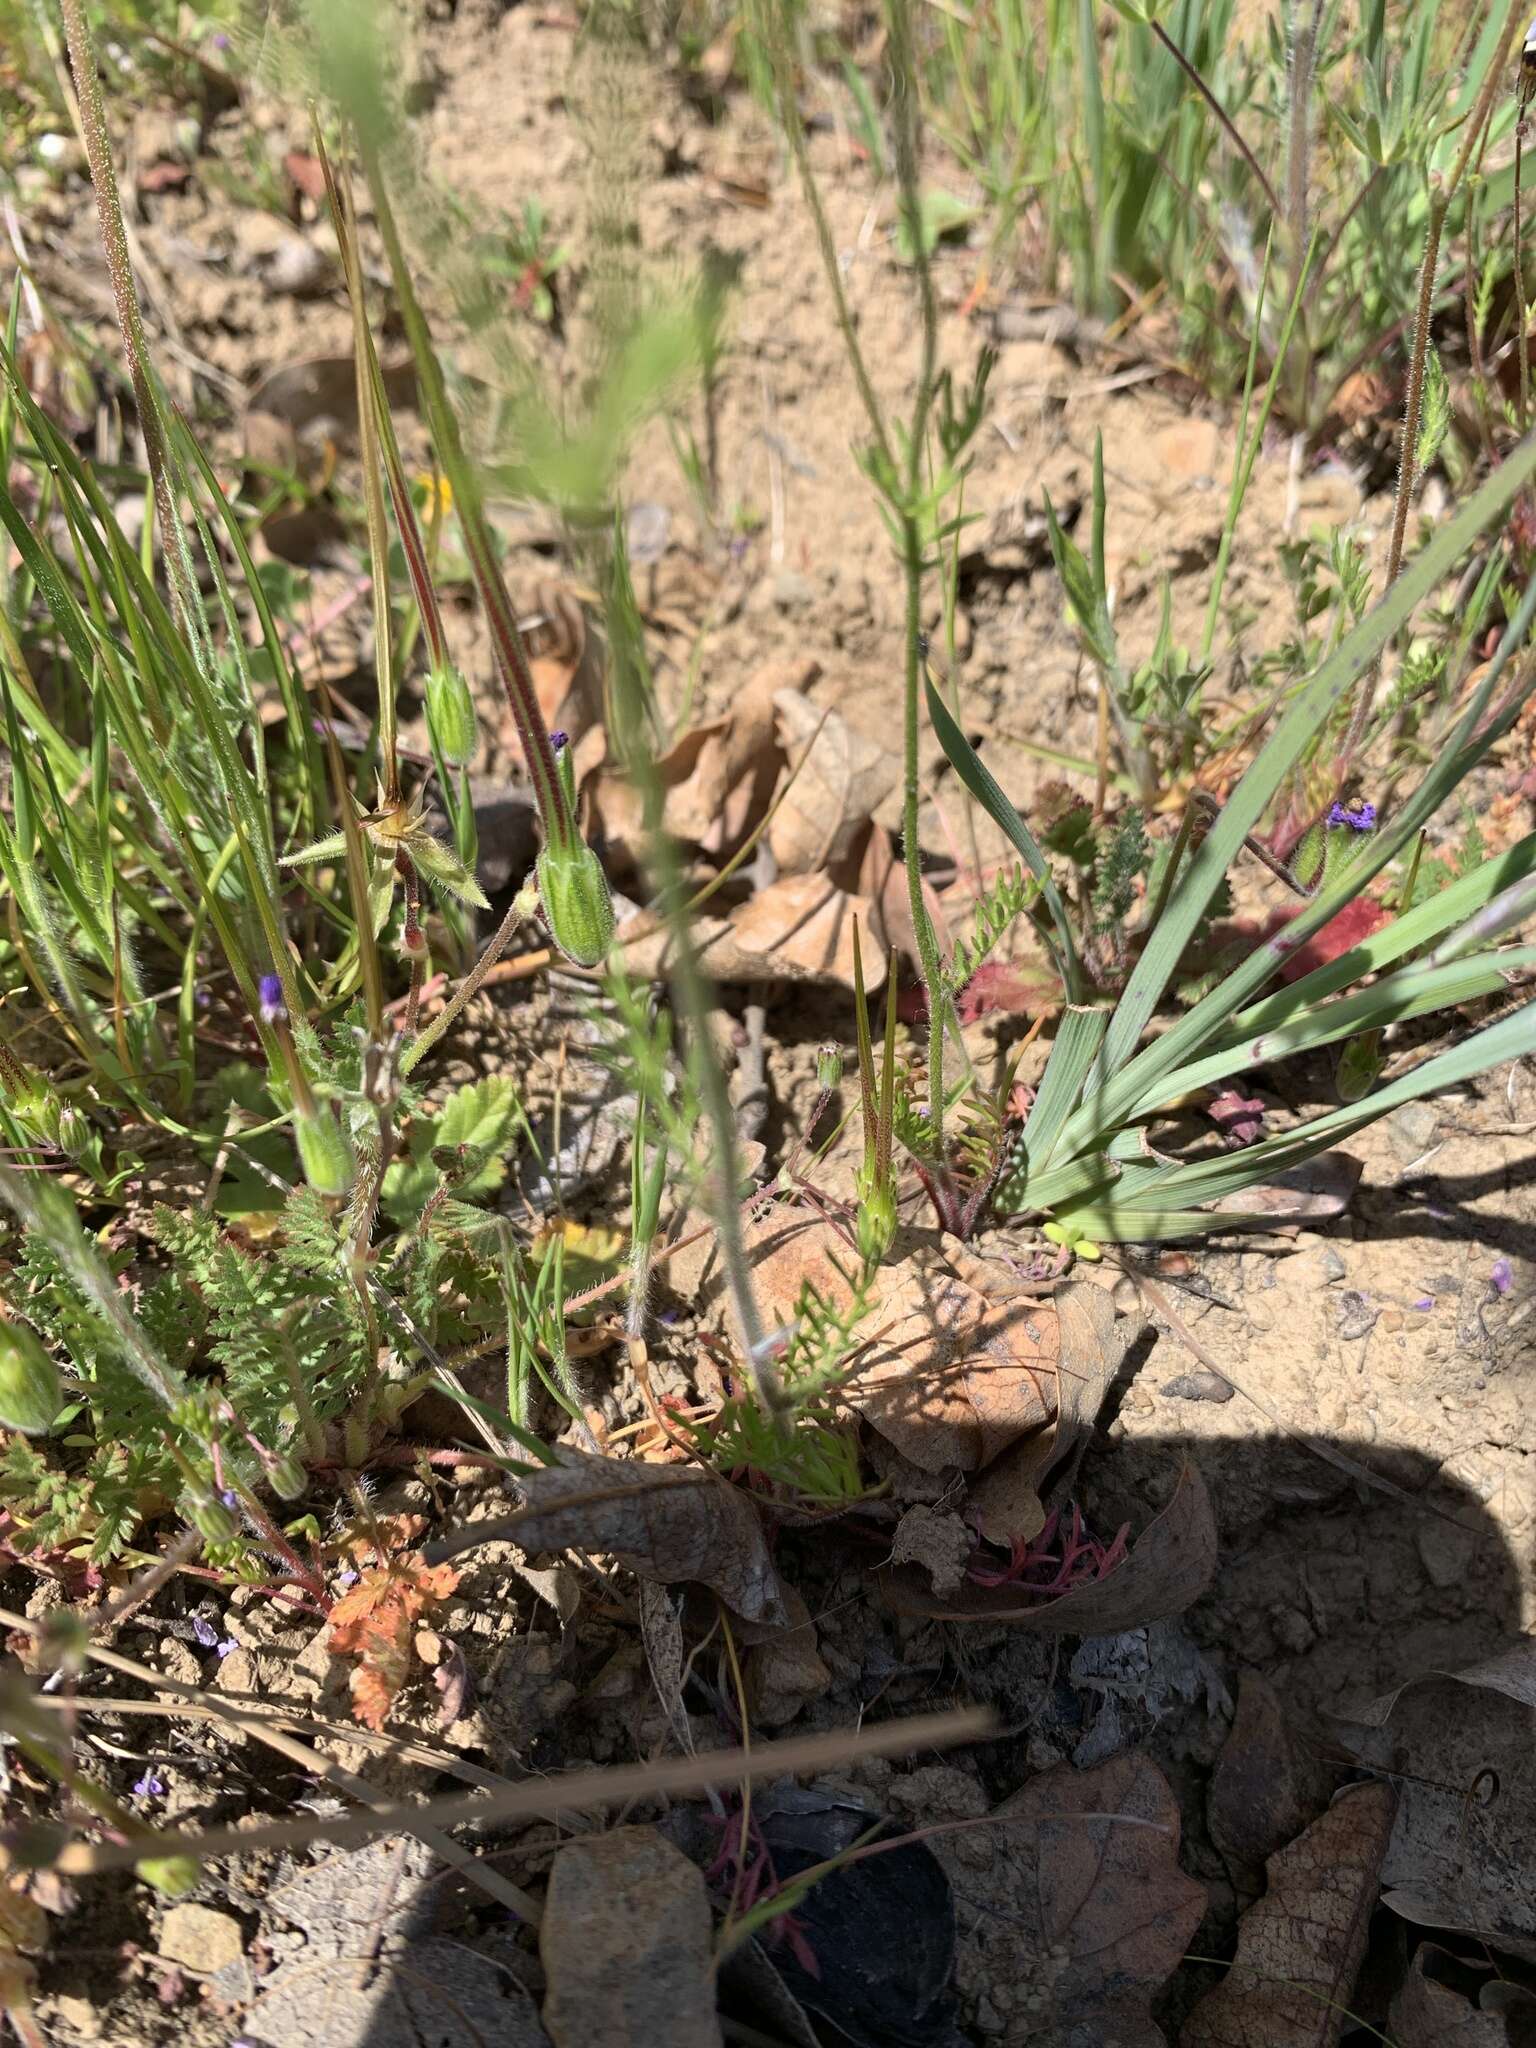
<point x="571" y="882"/>
<point x="154" y="424"/>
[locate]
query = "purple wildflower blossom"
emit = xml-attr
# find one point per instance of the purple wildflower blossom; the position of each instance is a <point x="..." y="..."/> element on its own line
<point x="205" y="1631"/>
<point x="559" y="739"/>
<point x="150" y="1786"/>
<point x="1357" y="814"/>
<point x="1502" y="1276"/>
<point x="270" y="999"/>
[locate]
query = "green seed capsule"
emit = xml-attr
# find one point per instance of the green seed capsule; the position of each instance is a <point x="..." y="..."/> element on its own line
<point x="30" y="1399"/>
<point x="451" y="716"/>
<point x="577" y="906"/>
<point x="213" y="1521"/>
<point x="325" y="1153"/>
<point x="287" y="1477"/>
<point x="829" y="1068"/>
<point x="877" y="1223"/>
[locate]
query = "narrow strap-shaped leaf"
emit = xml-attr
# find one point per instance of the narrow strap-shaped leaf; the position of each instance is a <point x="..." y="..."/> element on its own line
<point x="980" y="781"/>
<point x="1078" y="1038"/>
<point x="1414" y="992"/>
<point x="1296" y="732"/>
<point x="1511" y="1038"/>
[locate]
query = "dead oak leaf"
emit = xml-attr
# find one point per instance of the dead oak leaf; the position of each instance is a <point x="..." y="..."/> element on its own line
<point x="1300" y="1947"/>
<point x="843" y="778"/>
<point x="1105" y="1905"/>
<point x="1430" y="2011"/>
<point x="801" y="928"/>
<point x="955" y="1380"/>
<point x="1170" y="1564"/>
<point x="677" y="1526"/>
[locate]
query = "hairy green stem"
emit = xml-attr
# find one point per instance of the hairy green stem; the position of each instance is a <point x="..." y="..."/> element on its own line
<point x="498" y="943"/>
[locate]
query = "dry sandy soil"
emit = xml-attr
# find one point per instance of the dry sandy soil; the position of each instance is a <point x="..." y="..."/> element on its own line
<point x="1399" y="1338"/>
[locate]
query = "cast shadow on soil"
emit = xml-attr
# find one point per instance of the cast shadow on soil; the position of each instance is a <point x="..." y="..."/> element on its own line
<point x="1336" y="1589"/>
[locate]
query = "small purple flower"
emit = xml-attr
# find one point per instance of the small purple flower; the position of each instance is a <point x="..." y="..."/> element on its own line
<point x="150" y="1786"/>
<point x="270" y="997"/>
<point x="346" y="1578"/>
<point x="1424" y="1304"/>
<point x="559" y="739"/>
<point x="1502" y="1278"/>
<point x="205" y="1631"/>
<point x="229" y="1498"/>
<point x="1357" y="814"/>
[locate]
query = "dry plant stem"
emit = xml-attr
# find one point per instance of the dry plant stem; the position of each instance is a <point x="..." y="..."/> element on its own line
<point x="572" y="1791"/>
<point x="1440" y="199"/>
<point x="906" y="125"/>
<point x="511" y="656"/>
<point x="311" y="1760"/>
<point x="152" y="421"/>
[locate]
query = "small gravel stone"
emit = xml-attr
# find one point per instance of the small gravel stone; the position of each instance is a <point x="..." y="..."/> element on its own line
<point x="1357" y="1315"/>
<point x="200" y="1938"/>
<point x="1198" y="1386"/>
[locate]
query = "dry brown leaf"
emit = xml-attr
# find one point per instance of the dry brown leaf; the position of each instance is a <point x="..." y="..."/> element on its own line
<point x="1169" y="1566"/>
<point x="679" y="1526"/>
<point x="1309" y="1194"/>
<point x="801" y="929"/>
<point x="322" y="390"/>
<point x="843" y="779"/>
<point x="955" y="1379"/>
<point x="1300" y="1947"/>
<point x="1464" y="1843"/>
<point x="718" y="776"/>
<point x="1102" y="1895"/>
<point x="1094" y="1341"/>
<point x="626" y="1943"/>
<point x="661" y="1631"/>
<point x="882" y="878"/>
<point x="1429" y="2012"/>
<point x="1266" y="1787"/>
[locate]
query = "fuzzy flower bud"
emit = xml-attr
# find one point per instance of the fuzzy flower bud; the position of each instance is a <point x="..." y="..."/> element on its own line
<point x="325" y="1152"/>
<point x="287" y="1476"/>
<point x="577" y="906"/>
<point x="413" y="943"/>
<point x="451" y="716"/>
<point x="212" y="1520"/>
<point x="565" y="768"/>
<point x="29" y="1382"/>
<point x="829" y="1068"/>
<point x="876" y="1222"/>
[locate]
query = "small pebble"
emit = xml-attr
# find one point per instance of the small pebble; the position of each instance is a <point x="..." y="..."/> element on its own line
<point x="1357" y="1315"/>
<point x="1198" y="1386"/>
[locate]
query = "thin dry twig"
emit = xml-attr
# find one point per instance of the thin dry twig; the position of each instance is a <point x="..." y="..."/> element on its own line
<point x="578" y="1789"/>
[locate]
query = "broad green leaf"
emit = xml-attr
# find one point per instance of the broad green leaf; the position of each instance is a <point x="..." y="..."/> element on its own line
<point x="482" y="1120"/>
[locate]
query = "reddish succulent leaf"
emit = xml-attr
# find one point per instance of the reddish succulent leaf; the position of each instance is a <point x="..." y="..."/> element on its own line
<point x="1170" y="1565"/>
<point x="1352" y="927"/>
